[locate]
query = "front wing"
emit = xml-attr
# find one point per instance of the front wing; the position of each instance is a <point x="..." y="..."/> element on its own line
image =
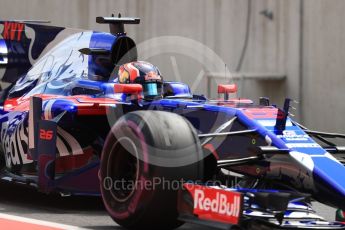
<point x="224" y="208"/>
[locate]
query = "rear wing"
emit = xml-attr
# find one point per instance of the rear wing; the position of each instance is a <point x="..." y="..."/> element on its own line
<point x="22" y="42"/>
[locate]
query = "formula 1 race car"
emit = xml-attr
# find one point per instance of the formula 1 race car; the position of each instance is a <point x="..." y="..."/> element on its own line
<point x="83" y="116"/>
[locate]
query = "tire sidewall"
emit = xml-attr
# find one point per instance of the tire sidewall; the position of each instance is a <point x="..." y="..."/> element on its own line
<point x="153" y="207"/>
<point x="123" y="211"/>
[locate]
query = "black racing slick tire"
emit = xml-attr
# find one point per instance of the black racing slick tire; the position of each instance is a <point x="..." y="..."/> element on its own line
<point x="145" y="160"/>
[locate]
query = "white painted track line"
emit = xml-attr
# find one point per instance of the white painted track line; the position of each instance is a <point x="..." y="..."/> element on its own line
<point x="42" y="223"/>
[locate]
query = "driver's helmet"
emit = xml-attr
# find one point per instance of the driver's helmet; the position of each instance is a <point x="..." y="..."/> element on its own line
<point x="143" y="73"/>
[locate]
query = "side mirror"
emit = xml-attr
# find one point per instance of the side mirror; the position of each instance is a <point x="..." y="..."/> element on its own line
<point x="222" y="88"/>
<point x="128" y="88"/>
<point x="226" y="89"/>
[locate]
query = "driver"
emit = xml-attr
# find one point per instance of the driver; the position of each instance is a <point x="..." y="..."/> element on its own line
<point x="143" y="73"/>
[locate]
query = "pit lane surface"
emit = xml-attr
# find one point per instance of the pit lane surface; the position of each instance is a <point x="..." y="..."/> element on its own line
<point x="83" y="212"/>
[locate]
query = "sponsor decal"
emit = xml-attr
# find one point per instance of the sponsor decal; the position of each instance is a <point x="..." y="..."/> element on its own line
<point x="216" y="204"/>
<point x="290" y="135"/>
<point x="13" y="31"/>
<point x="14" y="137"/>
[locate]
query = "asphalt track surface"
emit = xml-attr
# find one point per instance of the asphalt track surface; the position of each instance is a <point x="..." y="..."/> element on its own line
<point x="84" y="212"/>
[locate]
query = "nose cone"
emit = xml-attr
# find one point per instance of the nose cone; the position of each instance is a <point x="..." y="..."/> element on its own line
<point x="329" y="179"/>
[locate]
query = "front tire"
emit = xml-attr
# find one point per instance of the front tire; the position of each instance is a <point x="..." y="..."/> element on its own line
<point x="148" y="153"/>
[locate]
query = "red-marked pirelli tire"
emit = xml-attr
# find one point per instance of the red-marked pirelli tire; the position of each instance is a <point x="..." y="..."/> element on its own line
<point x="145" y="159"/>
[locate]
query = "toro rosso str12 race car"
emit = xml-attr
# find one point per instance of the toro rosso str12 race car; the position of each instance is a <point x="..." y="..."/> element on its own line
<point x="83" y="116"/>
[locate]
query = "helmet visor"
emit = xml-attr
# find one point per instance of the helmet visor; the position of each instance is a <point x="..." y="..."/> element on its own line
<point x="152" y="89"/>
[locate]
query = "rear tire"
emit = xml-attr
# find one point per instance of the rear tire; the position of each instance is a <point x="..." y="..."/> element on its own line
<point x="148" y="148"/>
